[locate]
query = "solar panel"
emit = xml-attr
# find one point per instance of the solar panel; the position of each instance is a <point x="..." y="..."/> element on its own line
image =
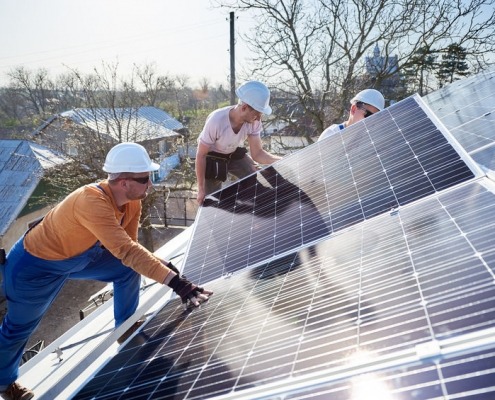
<point x="395" y="158"/>
<point x="363" y="258"/>
<point x="467" y="109"/>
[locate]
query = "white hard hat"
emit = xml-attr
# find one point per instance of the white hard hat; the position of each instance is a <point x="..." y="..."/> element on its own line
<point x="372" y="97"/>
<point x="256" y="94"/>
<point x="129" y="157"/>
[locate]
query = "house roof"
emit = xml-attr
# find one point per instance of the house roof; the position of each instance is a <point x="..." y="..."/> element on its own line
<point x="22" y="165"/>
<point x="139" y="125"/>
<point x="16" y="132"/>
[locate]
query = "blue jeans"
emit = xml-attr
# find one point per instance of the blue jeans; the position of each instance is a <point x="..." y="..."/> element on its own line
<point x="31" y="284"/>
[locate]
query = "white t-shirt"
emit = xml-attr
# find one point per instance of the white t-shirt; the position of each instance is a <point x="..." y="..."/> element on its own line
<point x="218" y="135"/>
<point x="331" y="130"/>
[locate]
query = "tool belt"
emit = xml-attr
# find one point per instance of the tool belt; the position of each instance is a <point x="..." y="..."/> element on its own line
<point x="217" y="163"/>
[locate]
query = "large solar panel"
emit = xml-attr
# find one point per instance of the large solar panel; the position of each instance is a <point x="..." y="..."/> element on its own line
<point x="395" y="158"/>
<point x="361" y="264"/>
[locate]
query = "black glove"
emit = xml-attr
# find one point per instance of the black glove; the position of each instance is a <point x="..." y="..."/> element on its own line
<point x="173" y="268"/>
<point x="185" y="289"/>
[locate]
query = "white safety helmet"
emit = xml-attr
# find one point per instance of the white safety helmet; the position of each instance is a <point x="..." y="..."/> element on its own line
<point x="129" y="157"/>
<point x="372" y="97"/>
<point x="256" y="94"/>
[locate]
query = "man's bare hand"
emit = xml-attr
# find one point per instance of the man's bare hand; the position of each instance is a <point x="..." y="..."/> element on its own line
<point x="200" y="197"/>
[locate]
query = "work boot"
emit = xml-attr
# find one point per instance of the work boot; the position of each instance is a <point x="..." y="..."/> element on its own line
<point x="15" y="391"/>
<point x="127" y="334"/>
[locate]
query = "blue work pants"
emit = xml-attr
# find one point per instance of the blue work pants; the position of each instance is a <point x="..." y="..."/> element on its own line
<point x="31" y="284"/>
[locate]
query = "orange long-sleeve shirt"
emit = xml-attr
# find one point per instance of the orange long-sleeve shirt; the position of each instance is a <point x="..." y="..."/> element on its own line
<point x="86" y="216"/>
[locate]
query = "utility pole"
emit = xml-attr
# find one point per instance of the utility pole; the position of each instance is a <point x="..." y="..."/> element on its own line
<point x="232" y="59"/>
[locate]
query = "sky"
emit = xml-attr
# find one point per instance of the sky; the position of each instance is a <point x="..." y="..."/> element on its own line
<point x="186" y="37"/>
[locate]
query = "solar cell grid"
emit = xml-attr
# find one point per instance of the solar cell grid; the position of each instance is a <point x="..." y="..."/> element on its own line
<point x="374" y="291"/>
<point x="461" y="377"/>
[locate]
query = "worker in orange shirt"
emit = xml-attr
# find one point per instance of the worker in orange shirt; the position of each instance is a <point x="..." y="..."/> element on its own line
<point x="91" y="234"/>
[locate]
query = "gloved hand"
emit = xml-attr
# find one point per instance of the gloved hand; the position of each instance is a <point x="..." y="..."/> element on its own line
<point x="188" y="292"/>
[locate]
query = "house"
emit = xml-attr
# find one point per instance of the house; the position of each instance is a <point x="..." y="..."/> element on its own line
<point x="378" y="64"/>
<point x="82" y="130"/>
<point x="383" y="71"/>
<point x="281" y="137"/>
<point x="23" y="165"/>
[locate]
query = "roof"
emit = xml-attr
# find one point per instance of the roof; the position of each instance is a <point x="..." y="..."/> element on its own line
<point x="139" y="125"/>
<point x="22" y="164"/>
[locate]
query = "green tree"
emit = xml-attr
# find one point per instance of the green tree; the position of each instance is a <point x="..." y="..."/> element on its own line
<point x="421" y="67"/>
<point x="453" y="65"/>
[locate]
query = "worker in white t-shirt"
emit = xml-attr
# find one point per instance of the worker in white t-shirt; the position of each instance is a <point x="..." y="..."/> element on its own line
<point x="365" y="103"/>
<point x="219" y="144"/>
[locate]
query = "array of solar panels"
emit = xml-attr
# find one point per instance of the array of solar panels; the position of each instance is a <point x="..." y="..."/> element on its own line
<point x="360" y="266"/>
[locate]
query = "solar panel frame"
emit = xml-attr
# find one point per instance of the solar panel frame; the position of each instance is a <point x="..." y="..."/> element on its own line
<point x="466" y="107"/>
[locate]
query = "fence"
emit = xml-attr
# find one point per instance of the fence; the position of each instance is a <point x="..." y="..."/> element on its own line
<point x="174" y="208"/>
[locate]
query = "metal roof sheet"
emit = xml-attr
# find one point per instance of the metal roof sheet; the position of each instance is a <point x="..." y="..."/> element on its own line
<point x="22" y="166"/>
<point x="138" y="125"/>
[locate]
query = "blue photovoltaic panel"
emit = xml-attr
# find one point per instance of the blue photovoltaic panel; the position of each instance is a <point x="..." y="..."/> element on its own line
<point x="368" y="299"/>
<point x="463" y="377"/>
<point x="390" y="160"/>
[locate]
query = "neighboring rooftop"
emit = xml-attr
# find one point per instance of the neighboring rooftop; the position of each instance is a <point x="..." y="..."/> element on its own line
<point x="142" y="124"/>
<point x="22" y="166"/>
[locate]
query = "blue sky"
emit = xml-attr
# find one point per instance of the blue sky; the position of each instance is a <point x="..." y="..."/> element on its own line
<point x="187" y="37"/>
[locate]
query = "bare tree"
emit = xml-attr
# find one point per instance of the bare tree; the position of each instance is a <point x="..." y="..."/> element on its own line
<point x="315" y="49"/>
<point x="154" y="84"/>
<point x="35" y="87"/>
<point x="204" y="85"/>
<point x="181" y="93"/>
<point x="11" y="106"/>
